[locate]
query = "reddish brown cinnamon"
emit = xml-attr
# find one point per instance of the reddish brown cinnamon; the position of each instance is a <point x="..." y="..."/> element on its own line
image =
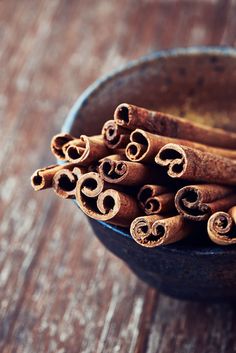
<point x="64" y="181"/>
<point x="115" y="157"/>
<point x="221" y="227"/>
<point x="132" y="117"/>
<point x="170" y="230"/>
<point x="57" y="143"/>
<point x="149" y="190"/>
<point x="42" y="178"/>
<point x="154" y="199"/>
<point x="76" y="143"/>
<point x="86" y="150"/>
<point x="119" y="156"/>
<point x="144" y="146"/>
<point x="141" y="229"/>
<point x="117" y="207"/>
<point x="90" y="185"/>
<point x="129" y="173"/>
<point x="191" y="164"/>
<point x="152" y="231"/>
<point x="114" y="135"/>
<point x="111" y="205"/>
<point x="198" y="202"/>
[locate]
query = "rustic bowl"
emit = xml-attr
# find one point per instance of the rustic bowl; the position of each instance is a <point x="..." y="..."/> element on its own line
<point x="196" y="83"/>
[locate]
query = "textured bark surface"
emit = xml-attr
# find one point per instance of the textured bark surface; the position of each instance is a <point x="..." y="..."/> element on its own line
<point x="60" y="290"/>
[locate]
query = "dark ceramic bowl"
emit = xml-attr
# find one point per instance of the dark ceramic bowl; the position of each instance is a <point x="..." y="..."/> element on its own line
<point x="196" y="83"/>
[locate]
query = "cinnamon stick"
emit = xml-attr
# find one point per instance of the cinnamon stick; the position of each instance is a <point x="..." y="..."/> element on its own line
<point x="64" y="181"/>
<point x="76" y="143"/>
<point x="141" y="229"/>
<point x="129" y="173"/>
<point x="90" y="185"/>
<point x="153" y="231"/>
<point x="117" y="207"/>
<point x="110" y="205"/>
<point x="86" y="150"/>
<point x="42" y="178"/>
<point x="115" y="136"/>
<point x="115" y="157"/>
<point x="170" y="230"/>
<point x="119" y="156"/>
<point x="221" y="227"/>
<point x="198" y="202"/>
<point x="191" y="164"/>
<point x="154" y="199"/>
<point x="144" y="146"/>
<point x="132" y="117"/>
<point x="57" y="143"/>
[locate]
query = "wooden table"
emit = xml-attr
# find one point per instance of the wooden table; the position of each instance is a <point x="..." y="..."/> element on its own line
<point x="60" y="290"/>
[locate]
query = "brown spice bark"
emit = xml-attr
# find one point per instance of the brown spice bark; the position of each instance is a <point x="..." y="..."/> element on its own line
<point x="115" y="136"/>
<point x="221" y="227"/>
<point x="86" y="150"/>
<point x="170" y="230"/>
<point x="117" y="207"/>
<point x="153" y="231"/>
<point x="190" y="164"/>
<point x="42" y="178"/>
<point x="64" y="181"/>
<point x="144" y="146"/>
<point x="108" y="205"/>
<point x="115" y="157"/>
<point x="198" y="202"/>
<point x="90" y="185"/>
<point x="133" y="117"/>
<point x="141" y="228"/>
<point x="129" y="173"/>
<point x="155" y="199"/>
<point x="57" y="143"/>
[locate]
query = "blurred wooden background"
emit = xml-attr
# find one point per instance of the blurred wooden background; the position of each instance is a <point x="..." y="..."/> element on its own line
<point x="60" y="290"/>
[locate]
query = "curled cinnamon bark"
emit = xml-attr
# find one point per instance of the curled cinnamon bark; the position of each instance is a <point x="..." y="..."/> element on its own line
<point x="57" y="143"/>
<point x="144" y="146"/>
<point x="152" y="231"/>
<point x="42" y="178"/>
<point x="119" y="156"/>
<point x="114" y="157"/>
<point x="132" y="117"/>
<point x="154" y="199"/>
<point x="76" y="143"/>
<point x="111" y="205"/>
<point x="90" y="185"/>
<point x="191" y="164"/>
<point x="117" y="207"/>
<point x="64" y="181"/>
<point x="86" y="150"/>
<point x="128" y="173"/>
<point x="170" y="230"/>
<point x="198" y="202"/>
<point x="221" y="227"/>
<point x="149" y="190"/>
<point x="115" y="136"/>
<point x="141" y="228"/>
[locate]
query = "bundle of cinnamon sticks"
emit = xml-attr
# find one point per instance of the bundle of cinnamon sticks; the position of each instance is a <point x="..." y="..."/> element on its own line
<point x="153" y="172"/>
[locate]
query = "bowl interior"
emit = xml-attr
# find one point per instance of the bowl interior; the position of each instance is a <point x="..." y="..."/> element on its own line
<point x="196" y="84"/>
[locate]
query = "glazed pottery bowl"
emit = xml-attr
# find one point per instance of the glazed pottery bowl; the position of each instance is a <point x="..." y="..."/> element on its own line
<point x="197" y="84"/>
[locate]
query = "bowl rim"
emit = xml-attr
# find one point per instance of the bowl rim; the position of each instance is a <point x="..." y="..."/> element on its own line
<point x="124" y="69"/>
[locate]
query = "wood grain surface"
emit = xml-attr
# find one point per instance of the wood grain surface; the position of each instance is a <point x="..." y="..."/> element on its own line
<point x="60" y="290"/>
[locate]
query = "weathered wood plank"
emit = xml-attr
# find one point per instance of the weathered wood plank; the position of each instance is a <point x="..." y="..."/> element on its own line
<point x="190" y="327"/>
<point x="60" y="290"/>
